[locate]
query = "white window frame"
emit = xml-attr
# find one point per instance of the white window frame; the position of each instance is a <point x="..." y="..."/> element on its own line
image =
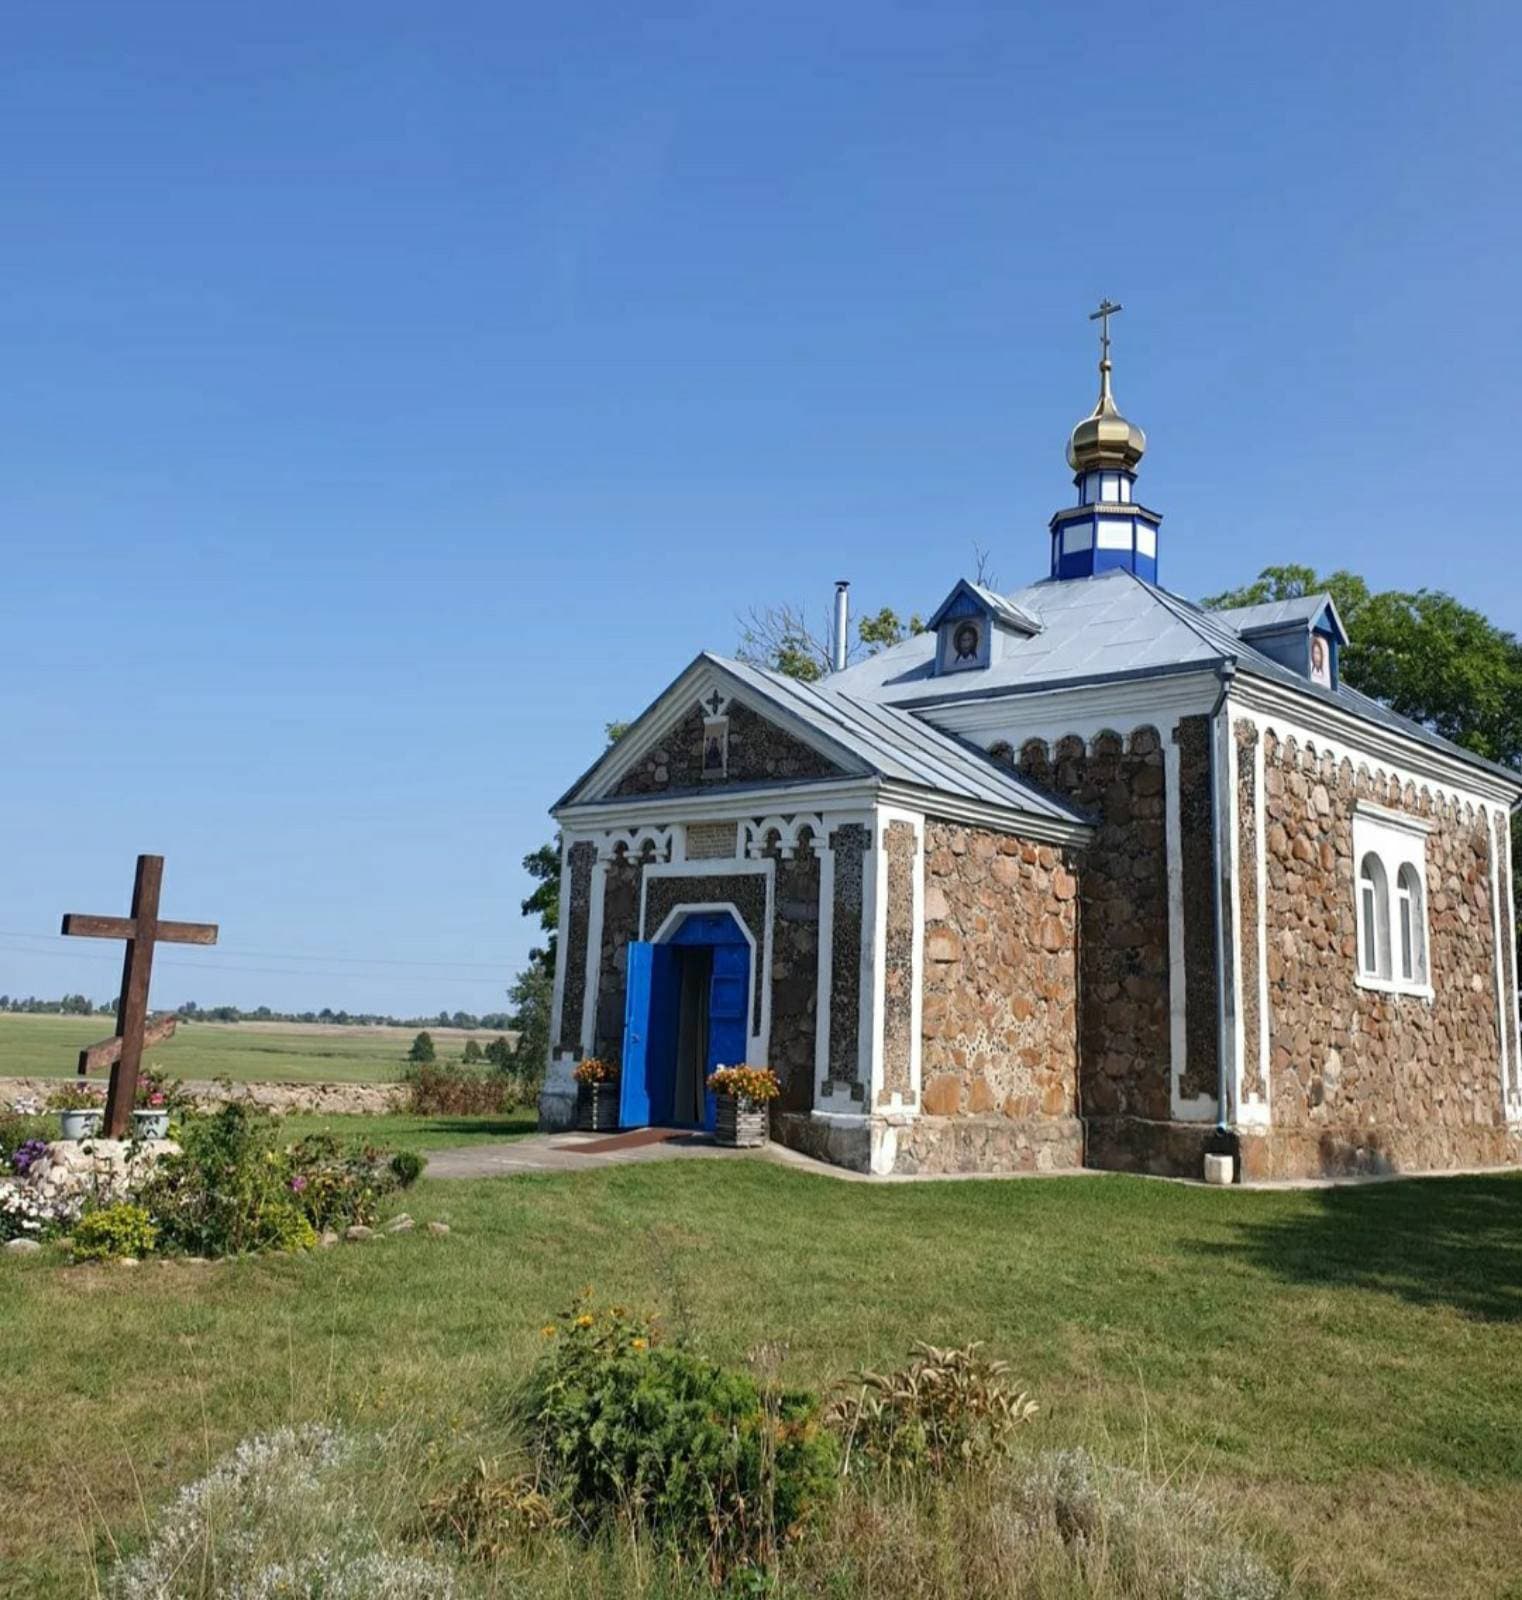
<point x="1398" y="845"/>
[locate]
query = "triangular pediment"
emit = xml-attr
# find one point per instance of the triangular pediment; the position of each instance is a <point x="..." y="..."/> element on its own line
<point x="712" y="731"/>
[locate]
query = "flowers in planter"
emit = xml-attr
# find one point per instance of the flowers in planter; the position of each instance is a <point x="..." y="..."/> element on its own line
<point x="756" y="1084"/>
<point x="594" y="1070"/>
<point x="76" y="1096"/>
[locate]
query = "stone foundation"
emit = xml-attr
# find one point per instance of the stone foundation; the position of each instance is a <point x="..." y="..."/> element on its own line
<point x="935" y="1146"/>
<point x="1160" y="1149"/>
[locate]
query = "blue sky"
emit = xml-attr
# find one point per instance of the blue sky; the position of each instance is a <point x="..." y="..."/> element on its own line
<point x="393" y="395"/>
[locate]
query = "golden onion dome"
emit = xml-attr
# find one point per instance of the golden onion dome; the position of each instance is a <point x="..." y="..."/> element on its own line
<point x="1104" y="438"/>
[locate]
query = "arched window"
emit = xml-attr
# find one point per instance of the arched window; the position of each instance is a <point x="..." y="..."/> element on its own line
<point x="1410" y="926"/>
<point x="1373" y="918"/>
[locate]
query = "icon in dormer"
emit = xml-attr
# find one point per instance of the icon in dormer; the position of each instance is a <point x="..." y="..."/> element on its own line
<point x="965" y="641"/>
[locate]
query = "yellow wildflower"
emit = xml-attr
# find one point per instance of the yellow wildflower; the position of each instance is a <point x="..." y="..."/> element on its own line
<point x="640" y="1344"/>
<point x="584" y="1321"/>
<point x="548" y="1330"/>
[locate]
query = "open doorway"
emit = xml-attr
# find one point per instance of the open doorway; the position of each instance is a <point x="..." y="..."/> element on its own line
<point x="686" y="1012"/>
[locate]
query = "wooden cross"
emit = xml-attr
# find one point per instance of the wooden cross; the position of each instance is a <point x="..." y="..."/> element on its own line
<point x="142" y="930"/>
<point x="1107" y="309"/>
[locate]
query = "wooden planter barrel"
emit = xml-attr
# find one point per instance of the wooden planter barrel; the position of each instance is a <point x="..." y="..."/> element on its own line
<point x="597" y="1107"/>
<point x="741" y="1124"/>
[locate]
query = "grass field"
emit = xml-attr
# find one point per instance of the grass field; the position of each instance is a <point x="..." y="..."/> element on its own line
<point x="1341" y="1368"/>
<point x="247" y="1052"/>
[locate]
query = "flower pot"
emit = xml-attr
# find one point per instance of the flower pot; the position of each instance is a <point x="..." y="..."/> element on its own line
<point x="597" y="1107"/>
<point x="82" y="1122"/>
<point x="150" y="1124"/>
<point x="740" y="1123"/>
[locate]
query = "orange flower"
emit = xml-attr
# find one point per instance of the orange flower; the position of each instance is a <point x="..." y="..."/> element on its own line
<point x="585" y="1321"/>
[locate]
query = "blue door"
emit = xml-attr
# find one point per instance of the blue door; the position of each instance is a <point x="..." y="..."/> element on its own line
<point x="650" y="997"/>
<point x="653" y="994"/>
<point x="728" y="1024"/>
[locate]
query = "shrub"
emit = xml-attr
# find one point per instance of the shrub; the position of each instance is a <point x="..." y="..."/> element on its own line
<point x="228" y="1189"/>
<point x="286" y="1513"/>
<point x="471" y="1053"/>
<point x="706" y="1460"/>
<point x="407" y="1167"/>
<point x="335" y="1184"/>
<point x="113" y="1232"/>
<point x="499" y="1054"/>
<point x="491" y="1514"/>
<point x="946" y="1409"/>
<point x="442" y="1090"/>
<point x="422" y="1048"/>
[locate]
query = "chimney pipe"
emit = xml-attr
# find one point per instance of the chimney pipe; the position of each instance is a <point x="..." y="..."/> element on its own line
<point x="842" y="625"/>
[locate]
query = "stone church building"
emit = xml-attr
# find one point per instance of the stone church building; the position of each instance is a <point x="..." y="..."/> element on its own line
<point x="1081" y="875"/>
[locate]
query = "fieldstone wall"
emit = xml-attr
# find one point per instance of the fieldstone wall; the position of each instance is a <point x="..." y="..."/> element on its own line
<point x="582" y="857"/>
<point x="357" y="1099"/>
<point x="759" y="752"/>
<point x="1246" y="733"/>
<point x="103" y="1169"/>
<point x="1509" y="952"/>
<point x="1362" y="1080"/>
<point x="795" y="976"/>
<point x="1200" y="1077"/>
<point x="1123" y="1026"/>
<point x="620" y="924"/>
<point x="849" y="844"/>
<point x="898" y="965"/>
<point x="999" y="1016"/>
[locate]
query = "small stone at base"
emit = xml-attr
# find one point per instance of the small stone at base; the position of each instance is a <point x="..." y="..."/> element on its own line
<point x="22" y="1247"/>
<point x="357" y="1231"/>
<point x="438" y="1229"/>
<point x="329" y="1239"/>
<point x="128" y="1261"/>
<point x="401" y="1224"/>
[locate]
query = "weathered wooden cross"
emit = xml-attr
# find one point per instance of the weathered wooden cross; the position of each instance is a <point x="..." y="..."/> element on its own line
<point x="142" y="930"/>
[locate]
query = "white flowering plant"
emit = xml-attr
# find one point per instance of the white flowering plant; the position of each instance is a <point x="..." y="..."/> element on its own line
<point x="25" y="1214"/>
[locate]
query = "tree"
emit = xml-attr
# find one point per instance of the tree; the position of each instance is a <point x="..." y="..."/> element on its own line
<point x="781" y="639"/>
<point x="1425" y="655"/>
<point x="471" y="1052"/>
<point x="422" y="1050"/>
<point x="500" y="1053"/>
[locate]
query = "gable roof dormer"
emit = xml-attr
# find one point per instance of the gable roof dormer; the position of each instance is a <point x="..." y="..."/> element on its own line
<point x="1304" y="634"/>
<point x="969" y="626"/>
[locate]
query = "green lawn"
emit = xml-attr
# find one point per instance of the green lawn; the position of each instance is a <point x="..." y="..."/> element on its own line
<point x="1343" y="1368"/>
<point x="407" y="1132"/>
<point x="47" y="1046"/>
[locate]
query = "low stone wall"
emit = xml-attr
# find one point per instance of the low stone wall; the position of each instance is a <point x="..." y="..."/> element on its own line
<point x="367" y="1099"/>
<point x="107" y="1168"/>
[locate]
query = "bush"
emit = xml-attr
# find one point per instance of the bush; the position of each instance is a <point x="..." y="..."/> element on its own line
<point x="336" y="1184"/>
<point x="471" y="1053"/>
<point x="300" y="1512"/>
<point x="229" y="1189"/>
<point x="407" y="1167"/>
<point x="422" y="1048"/>
<point x="946" y="1409"/>
<point x="455" y="1091"/>
<point x="113" y="1232"/>
<point x="707" y="1461"/>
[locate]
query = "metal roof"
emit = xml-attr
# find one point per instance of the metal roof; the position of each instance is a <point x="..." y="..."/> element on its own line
<point x="1274" y="616"/>
<point x="1118" y="626"/>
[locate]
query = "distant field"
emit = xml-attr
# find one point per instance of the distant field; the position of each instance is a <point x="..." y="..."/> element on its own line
<point x="247" y="1052"/>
